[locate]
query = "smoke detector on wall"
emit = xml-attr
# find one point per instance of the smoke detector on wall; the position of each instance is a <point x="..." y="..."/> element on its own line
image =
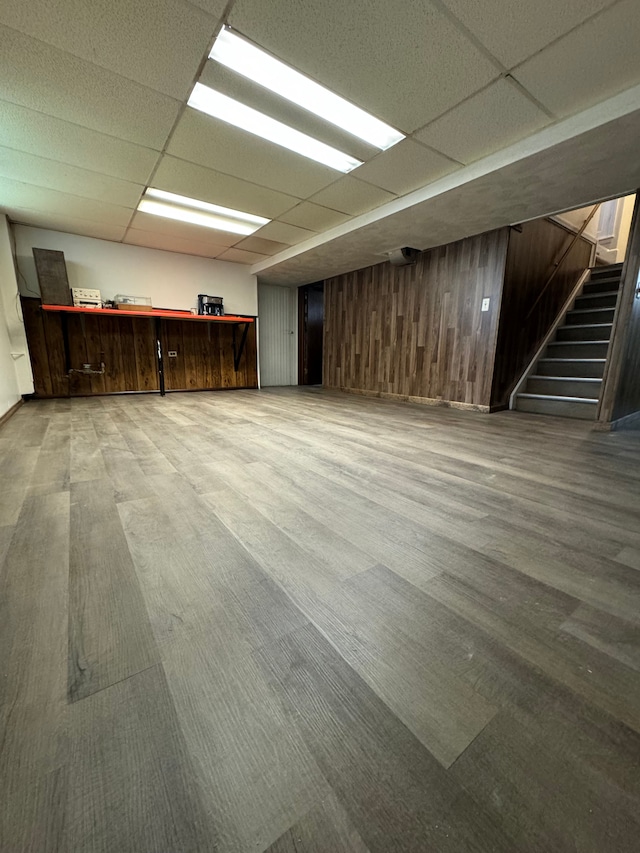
<point x="402" y="257"/>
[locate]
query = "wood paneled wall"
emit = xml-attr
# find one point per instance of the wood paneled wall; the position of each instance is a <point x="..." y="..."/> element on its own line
<point x="204" y="359"/>
<point x="533" y="248"/>
<point x="205" y="356"/>
<point x="621" y="395"/>
<point x="628" y="396"/>
<point x="418" y="331"/>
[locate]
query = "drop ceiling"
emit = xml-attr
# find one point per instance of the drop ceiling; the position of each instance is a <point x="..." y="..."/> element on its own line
<point x="93" y="109"/>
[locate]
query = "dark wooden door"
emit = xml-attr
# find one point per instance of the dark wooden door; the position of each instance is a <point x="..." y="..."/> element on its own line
<point x="311" y="331"/>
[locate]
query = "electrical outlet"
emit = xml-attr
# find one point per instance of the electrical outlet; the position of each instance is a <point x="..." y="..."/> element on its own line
<point x="485" y="304"/>
<point x="172" y="353"/>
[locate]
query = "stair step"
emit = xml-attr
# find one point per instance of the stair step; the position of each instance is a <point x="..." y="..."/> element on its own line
<point x="606" y="270"/>
<point x="584" y="332"/>
<point x="577" y="349"/>
<point x="565" y="407"/>
<point x="576" y="367"/>
<point x="564" y="386"/>
<point x="608" y="299"/>
<point x="601" y="285"/>
<point x="589" y="316"/>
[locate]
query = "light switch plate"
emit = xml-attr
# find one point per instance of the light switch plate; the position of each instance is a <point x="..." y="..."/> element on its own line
<point x="485" y="304"/>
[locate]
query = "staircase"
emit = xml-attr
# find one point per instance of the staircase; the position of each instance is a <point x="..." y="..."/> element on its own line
<point x="567" y="378"/>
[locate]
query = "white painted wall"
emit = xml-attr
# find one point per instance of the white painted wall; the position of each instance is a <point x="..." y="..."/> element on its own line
<point x="15" y="368"/>
<point x="625" y="227"/>
<point x="278" y="344"/>
<point x="575" y="218"/>
<point x="9" y="391"/>
<point x="171" y="280"/>
<point x="613" y="249"/>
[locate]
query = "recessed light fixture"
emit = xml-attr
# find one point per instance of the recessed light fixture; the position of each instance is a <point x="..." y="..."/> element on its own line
<point x="233" y="112"/>
<point x="245" y="58"/>
<point x="185" y="209"/>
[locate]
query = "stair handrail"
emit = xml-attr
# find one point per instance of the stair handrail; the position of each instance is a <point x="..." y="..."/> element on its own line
<point x="556" y="265"/>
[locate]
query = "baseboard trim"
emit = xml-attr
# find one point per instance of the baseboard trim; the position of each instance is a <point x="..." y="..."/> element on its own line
<point x="631" y="421"/>
<point x="10" y="412"/>
<point x="133" y="393"/>
<point x="422" y="401"/>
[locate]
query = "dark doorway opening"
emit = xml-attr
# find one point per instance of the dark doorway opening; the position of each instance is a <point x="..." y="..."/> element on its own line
<point x="310" y="335"/>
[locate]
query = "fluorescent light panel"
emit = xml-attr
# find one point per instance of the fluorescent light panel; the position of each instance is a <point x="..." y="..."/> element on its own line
<point x="185" y="201"/>
<point x="245" y="58"/>
<point x="246" y="118"/>
<point x="185" y="209"/>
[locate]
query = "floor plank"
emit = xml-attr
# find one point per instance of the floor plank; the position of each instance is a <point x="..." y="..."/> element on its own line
<point x="33" y="652"/>
<point x="110" y="636"/>
<point x="615" y="637"/>
<point x="326" y="827"/>
<point x="397" y="794"/>
<point x="256" y="773"/>
<point x="509" y="766"/>
<point x="130" y="783"/>
<point x="377" y="624"/>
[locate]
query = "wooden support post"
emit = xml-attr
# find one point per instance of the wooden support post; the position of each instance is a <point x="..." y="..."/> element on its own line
<point x="608" y="408"/>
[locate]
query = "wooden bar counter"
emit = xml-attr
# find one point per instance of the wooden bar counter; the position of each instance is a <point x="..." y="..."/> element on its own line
<point x="141" y="351"/>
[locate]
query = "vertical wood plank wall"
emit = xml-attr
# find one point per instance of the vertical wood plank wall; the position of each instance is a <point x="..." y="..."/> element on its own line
<point x="628" y="396"/>
<point x="204" y="358"/>
<point x="418" y="331"/>
<point x="621" y="398"/>
<point x="530" y="257"/>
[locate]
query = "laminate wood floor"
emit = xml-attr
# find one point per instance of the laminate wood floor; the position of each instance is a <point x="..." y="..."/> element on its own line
<point x="296" y="620"/>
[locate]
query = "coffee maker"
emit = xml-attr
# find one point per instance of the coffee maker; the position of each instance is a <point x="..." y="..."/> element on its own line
<point x="211" y="305"/>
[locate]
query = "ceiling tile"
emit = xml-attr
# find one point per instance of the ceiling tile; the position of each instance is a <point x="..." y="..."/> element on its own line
<point x="178" y="176"/>
<point x="405" y="62"/>
<point x="14" y="194"/>
<point x="349" y="195"/>
<point x="51" y="81"/>
<point x="213" y="7"/>
<point x="239" y="256"/>
<point x="37" y="133"/>
<point x="515" y="29"/>
<point x="590" y="64"/>
<point x="67" y="224"/>
<point x="172" y="243"/>
<point x="284" y="233"/>
<point x="60" y="176"/>
<point x="212" y="143"/>
<point x="160" y="45"/>
<point x="313" y="216"/>
<point x="494" y="118"/>
<point x="405" y="167"/>
<point x="183" y="230"/>
<point x="261" y="246"/>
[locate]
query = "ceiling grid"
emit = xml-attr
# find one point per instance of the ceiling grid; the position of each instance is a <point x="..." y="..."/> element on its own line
<point x="93" y="111"/>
